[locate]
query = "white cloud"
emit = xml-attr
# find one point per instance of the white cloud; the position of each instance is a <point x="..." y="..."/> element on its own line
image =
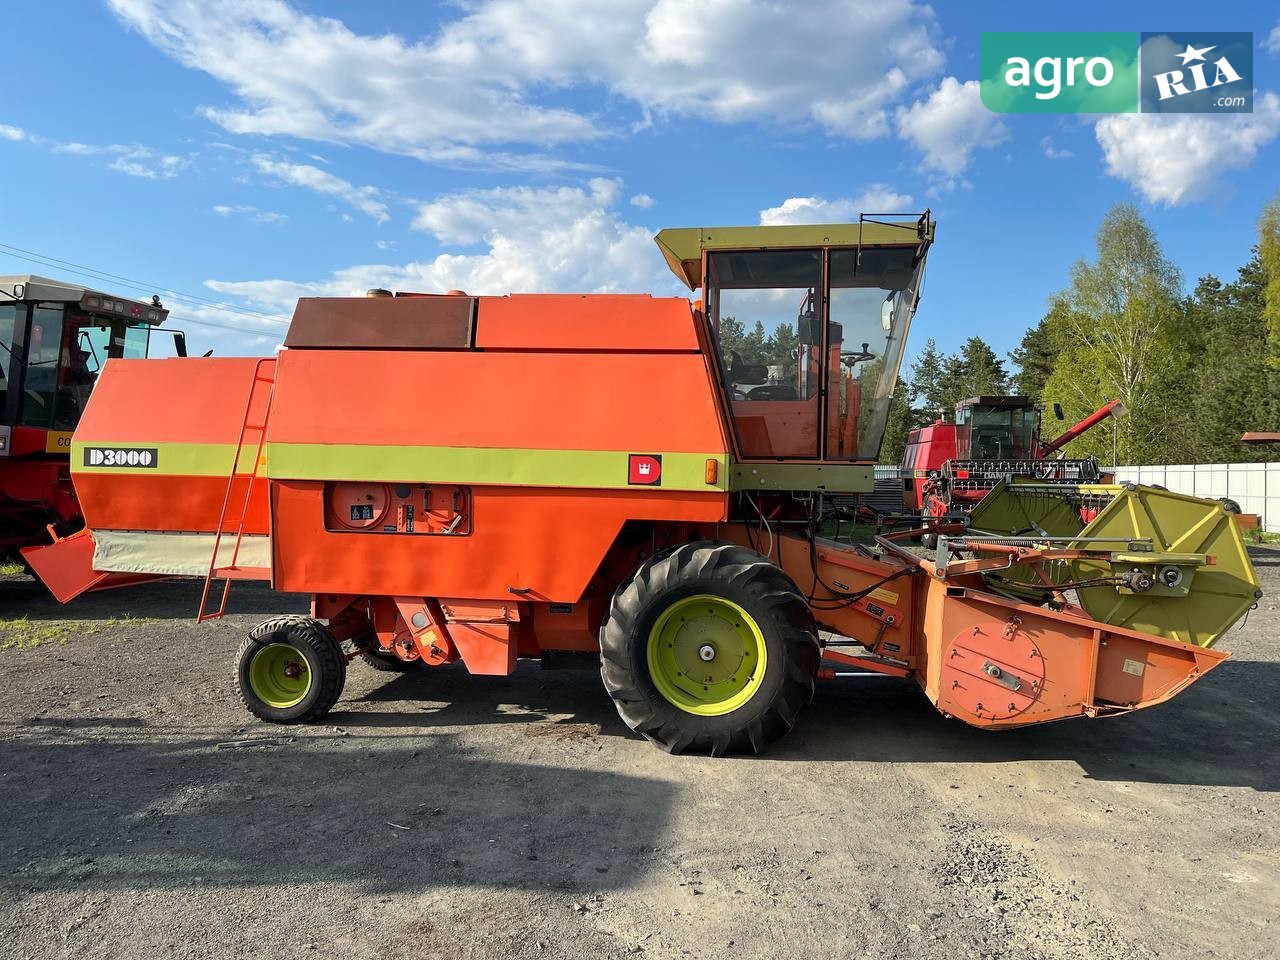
<point x="12" y="133"/>
<point x="877" y="198"/>
<point x="1053" y="152"/>
<point x="643" y="201"/>
<point x="130" y="158"/>
<point x="1273" y="40"/>
<point x="251" y="212"/>
<point x="312" y="77"/>
<point x="492" y="79"/>
<point x="1178" y="158"/>
<point x="949" y="126"/>
<point x="839" y="64"/>
<point x="473" y="216"/>
<point x="563" y="239"/>
<point x="144" y="163"/>
<point x="365" y="199"/>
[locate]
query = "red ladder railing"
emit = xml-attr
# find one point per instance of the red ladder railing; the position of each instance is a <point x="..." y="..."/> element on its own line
<point x="233" y="571"/>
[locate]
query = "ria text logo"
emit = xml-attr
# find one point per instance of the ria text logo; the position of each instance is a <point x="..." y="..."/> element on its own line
<point x="1117" y="72"/>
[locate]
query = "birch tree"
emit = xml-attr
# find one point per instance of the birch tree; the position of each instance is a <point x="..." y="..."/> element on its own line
<point x="1121" y="323"/>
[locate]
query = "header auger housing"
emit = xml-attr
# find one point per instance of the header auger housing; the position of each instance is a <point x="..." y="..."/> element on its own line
<point x="631" y="479"/>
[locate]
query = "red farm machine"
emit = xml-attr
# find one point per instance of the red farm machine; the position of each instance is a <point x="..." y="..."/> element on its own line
<point x="55" y="338"/>
<point x="947" y="468"/>
<point x="486" y="479"/>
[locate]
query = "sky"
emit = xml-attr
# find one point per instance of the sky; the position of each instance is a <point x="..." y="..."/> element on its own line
<point x="233" y="155"/>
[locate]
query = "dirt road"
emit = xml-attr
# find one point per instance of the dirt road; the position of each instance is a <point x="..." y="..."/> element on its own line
<point x="442" y="816"/>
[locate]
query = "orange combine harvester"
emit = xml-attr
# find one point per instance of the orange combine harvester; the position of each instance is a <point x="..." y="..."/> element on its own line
<point x="485" y="479"/>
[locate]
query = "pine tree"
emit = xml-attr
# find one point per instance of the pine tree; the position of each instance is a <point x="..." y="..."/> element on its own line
<point x="982" y="370"/>
<point x="925" y="386"/>
<point x="1234" y="385"/>
<point x="1036" y="354"/>
<point x="900" y="424"/>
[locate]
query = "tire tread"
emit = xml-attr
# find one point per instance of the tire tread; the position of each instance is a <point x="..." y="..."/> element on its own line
<point x="715" y="564"/>
<point x="331" y="676"/>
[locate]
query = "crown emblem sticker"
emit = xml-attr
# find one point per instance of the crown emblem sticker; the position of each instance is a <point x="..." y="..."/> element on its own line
<point x="644" y="469"/>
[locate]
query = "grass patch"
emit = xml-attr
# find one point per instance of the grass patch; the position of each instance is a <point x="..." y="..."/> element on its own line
<point x="11" y="568"/>
<point x="1261" y="536"/>
<point x="21" y="633"/>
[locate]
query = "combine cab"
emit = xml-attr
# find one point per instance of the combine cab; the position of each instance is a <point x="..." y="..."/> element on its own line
<point x="601" y="478"/>
<point x="948" y="467"/>
<point x="55" y="339"/>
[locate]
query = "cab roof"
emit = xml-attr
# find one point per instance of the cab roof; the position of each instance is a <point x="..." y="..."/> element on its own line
<point x="41" y="288"/>
<point x="682" y="246"/>
<point x="1002" y="402"/>
<point x="36" y="289"/>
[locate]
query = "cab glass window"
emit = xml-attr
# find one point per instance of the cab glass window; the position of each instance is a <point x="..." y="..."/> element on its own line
<point x="872" y="294"/>
<point x="65" y="352"/>
<point x="8" y="317"/>
<point x="136" y="339"/>
<point x="765" y="306"/>
<point x="996" y="433"/>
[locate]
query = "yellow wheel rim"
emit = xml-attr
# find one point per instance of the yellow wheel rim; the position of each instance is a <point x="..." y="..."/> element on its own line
<point x="706" y="655"/>
<point x="279" y="675"/>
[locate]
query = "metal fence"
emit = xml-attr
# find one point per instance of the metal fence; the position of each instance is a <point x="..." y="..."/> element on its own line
<point x="1255" y="486"/>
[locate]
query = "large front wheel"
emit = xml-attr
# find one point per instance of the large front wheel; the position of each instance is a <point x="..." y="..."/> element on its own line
<point x="709" y="648"/>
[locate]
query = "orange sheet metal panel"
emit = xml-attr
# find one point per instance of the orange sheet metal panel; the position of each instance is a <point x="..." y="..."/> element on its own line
<point x="66" y="568"/>
<point x="605" y="322"/>
<point x="884" y="618"/>
<point x="553" y="401"/>
<point x="187" y="504"/>
<point x="178" y="399"/>
<point x="995" y="662"/>
<point x="777" y="428"/>
<point x="545" y="542"/>
<point x="487" y="649"/>
<point x="187" y="412"/>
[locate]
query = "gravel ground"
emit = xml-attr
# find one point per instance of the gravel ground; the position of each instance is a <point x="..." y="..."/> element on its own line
<point x="443" y="816"/>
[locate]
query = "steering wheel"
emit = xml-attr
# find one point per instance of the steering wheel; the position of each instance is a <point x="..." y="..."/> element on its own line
<point x="859" y="356"/>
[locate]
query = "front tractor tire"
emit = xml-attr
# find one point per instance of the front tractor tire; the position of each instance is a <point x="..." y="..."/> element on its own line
<point x="709" y="648"/>
<point x="290" y="670"/>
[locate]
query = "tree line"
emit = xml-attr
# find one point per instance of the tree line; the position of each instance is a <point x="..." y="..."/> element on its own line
<point x="1194" y="371"/>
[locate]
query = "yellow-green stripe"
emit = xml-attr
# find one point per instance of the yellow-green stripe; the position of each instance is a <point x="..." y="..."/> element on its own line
<point x="173" y="459"/>
<point x="591" y="469"/>
<point x="583" y="469"/>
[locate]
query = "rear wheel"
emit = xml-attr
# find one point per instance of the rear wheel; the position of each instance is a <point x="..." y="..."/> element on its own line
<point x="709" y="648"/>
<point x="290" y="670"/>
<point x="389" y="662"/>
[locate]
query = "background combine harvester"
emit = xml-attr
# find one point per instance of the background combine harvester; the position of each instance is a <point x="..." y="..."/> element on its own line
<point x="948" y="467"/>
<point x="489" y="478"/>
<point x="55" y="338"/>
